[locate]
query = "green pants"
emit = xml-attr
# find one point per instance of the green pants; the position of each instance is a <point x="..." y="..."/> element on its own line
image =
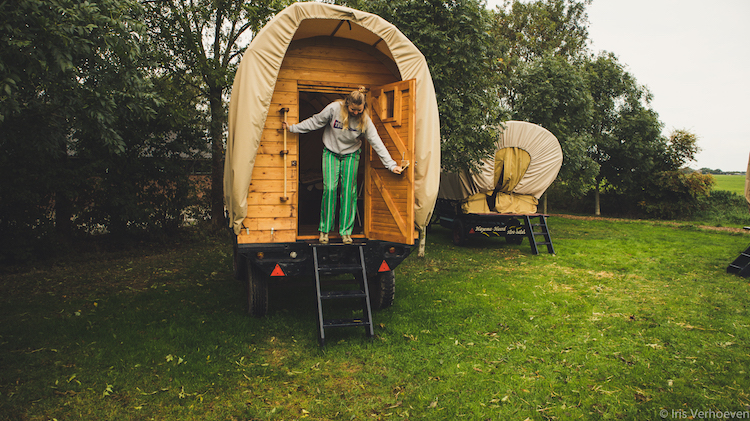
<point x="339" y="167"/>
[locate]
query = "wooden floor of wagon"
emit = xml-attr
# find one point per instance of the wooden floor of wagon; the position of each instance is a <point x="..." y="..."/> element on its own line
<point x="310" y="232"/>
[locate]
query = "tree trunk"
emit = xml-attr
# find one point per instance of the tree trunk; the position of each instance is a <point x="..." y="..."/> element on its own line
<point x="63" y="215"/>
<point x="597" y="209"/>
<point x="63" y="204"/>
<point x="218" y="120"/>
<point x="544" y="204"/>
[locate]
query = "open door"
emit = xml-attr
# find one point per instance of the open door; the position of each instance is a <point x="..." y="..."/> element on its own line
<point x="389" y="198"/>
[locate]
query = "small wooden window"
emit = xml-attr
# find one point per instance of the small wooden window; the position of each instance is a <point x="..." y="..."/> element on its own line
<point x="390" y="105"/>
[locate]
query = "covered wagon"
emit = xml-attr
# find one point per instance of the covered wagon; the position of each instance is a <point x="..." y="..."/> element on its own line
<point x="307" y="56"/>
<point x="502" y="197"/>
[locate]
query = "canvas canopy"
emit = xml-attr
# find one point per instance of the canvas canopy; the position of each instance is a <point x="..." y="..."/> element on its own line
<point x="526" y="161"/>
<point x="256" y="79"/>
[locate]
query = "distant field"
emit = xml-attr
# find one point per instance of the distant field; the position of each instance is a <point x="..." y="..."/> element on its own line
<point x="732" y="183"/>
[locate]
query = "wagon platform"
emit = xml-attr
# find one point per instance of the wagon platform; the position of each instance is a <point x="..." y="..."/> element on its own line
<point x="514" y="227"/>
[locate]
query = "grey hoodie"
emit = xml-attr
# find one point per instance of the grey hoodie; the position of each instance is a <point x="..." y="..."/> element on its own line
<point x="340" y="141"/>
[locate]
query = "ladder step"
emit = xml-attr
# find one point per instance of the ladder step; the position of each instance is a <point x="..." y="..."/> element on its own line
<point x="345" y="323"/>
<point x="544" y="233"/>
<point x="339" y="269"/>
<point x="733" y="266"/>
<point x="332" y="295"/>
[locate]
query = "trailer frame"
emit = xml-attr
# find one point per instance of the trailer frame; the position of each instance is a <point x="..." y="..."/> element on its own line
<point x="513" y="227"/>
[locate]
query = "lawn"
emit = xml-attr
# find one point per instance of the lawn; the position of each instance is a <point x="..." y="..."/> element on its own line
<point x="731" y="183"/>
<point x="632" y="320"/>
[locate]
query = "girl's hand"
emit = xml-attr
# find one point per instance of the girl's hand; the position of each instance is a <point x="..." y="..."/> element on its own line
<point x="397" y="170"/>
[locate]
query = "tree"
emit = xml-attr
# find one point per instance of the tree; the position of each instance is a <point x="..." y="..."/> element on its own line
<point x="626" y="133"/>
<point x="682" y="147"/>
<point x="673" y="193"/>
<point x="537" y="28"/>
<point x="611" y="138"/>
<point x="202" y="42"/>
<point x="639" y="166"/>
<point x="147" y="188"/>
<point x="529" y="30"/>
<point x="71" y="66"/>
<point x="455" y="39"/>
<point x="552" y="92"/>
<point x="544" y="43"/>
<point x="69" y="70"/>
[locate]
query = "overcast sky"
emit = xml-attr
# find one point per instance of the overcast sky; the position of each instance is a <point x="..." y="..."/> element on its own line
<point x="694" y="56"/>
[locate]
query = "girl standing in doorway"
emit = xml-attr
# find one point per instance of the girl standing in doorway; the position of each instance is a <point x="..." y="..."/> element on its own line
<point x="346" y="121"/>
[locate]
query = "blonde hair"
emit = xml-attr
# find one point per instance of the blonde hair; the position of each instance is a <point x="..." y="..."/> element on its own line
<point x="357" y="97"/>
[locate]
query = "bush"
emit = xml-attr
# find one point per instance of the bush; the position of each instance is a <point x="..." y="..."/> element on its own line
<point x="724" y="207"/>
<point x="48" y="201"/>
<point x="674" y="195"/>
<point x="667" y="195"/>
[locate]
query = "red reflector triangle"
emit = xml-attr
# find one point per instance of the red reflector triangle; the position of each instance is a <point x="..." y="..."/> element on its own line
<point x="384" y="267"/>
<point x="471" y="231"/>
<point x="277" y="271"/>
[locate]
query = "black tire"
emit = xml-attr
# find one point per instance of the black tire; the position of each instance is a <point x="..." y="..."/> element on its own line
<point x="514" y="238"/>
<point x="256" y="288"/>
<point x="382" y="289"/>
<point x="459" y="232"/>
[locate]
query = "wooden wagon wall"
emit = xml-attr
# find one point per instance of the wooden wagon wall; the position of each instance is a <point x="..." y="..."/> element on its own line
<point x="321" y="64"/>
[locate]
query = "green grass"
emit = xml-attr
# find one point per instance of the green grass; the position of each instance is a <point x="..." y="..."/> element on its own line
<point x="731" y="183"/>
<point x="628" y="319"/>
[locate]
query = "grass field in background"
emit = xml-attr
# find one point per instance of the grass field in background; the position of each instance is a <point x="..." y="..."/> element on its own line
<point x="630" y="320"/>
<point x="732" y="183"/>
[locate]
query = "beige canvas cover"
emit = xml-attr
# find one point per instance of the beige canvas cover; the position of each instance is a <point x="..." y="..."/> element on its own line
<point x="519" y="142"/>
<point x="256" y="78"/>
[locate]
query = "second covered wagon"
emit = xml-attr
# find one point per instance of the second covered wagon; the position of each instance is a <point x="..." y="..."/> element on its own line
<point x="501" y="199"/>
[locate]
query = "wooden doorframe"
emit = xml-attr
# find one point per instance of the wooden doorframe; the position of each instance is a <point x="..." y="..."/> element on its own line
<point x="310" y="86"/>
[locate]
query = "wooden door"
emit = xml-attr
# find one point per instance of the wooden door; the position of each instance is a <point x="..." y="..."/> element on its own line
<point x="389" y="198"/>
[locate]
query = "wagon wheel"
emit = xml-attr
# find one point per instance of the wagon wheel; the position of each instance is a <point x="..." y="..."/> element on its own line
<point x="256" y="288"/>
<point x="514" y="238"/>
<point x="382" y="289"/>
<point x="459" y="232"/>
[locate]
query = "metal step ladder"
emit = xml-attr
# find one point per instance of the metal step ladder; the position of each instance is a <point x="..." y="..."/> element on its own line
<point x="741" y="265"/>
<point x="538" y="229"/>
<point x="328" y="261"/>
